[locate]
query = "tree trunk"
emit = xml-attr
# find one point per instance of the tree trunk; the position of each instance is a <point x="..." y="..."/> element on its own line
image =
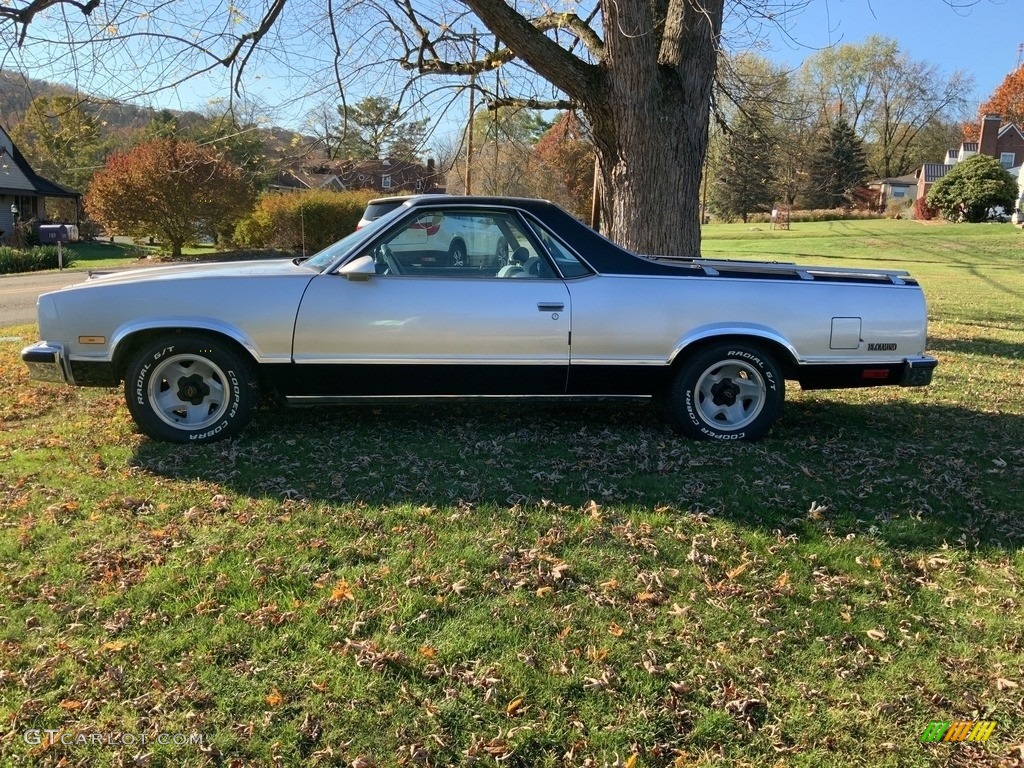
<point x="648" y="102"/>
<point x="651" y="130"/>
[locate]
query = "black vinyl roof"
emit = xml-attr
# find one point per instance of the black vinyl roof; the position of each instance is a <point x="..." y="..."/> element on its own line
<point x="596" y="250"/>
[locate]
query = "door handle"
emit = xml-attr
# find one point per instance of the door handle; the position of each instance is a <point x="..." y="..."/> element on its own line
<point x="550" y="306"/>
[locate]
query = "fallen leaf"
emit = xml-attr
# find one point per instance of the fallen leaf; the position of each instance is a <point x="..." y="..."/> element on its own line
<point x="515" y="705"/>
<point x="737" y="570"/>
<point x="1002" y="683"/>
<point x="342" y="591"/>
<point x="428" y="652"/>
<point x="876" y="634"/>
<point x="615" y="630"/>
<point x="274" y="698"/>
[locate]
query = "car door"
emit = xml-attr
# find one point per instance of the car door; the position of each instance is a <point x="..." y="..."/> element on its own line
<point x="426" y="330"/>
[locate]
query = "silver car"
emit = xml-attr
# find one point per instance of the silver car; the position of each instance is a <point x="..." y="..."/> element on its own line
<point x="546" y="308"/>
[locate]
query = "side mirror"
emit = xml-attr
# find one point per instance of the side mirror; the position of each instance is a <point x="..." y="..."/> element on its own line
<point x="359" y="269"/>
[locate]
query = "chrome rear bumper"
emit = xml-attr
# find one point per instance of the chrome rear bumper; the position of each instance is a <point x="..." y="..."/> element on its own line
<point x="917" y="371"/>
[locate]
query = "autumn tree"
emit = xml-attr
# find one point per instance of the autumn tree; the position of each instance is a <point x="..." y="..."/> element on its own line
<point x="1007" y="101"/>
<point x="171" y="188"/>
<point x="565" y="158"/>
<point x="973" y="190"/>
<point x="503" y="160"/>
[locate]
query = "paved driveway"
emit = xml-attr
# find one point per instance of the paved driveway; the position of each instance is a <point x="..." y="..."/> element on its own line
<point x="18" y="293"/>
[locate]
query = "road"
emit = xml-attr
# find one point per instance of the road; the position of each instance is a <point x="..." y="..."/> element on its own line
<point x="18" y="293"/>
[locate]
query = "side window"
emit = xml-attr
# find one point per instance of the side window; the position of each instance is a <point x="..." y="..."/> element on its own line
<point x="461" y="244"/>
<point x="565" y="260"/>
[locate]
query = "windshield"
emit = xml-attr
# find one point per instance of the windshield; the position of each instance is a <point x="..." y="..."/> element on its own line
<point x="320" y="261"/>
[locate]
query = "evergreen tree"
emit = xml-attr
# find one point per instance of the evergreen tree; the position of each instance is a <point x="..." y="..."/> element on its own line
<point x="376" y="127"/>
<point x="838" y="166"/>
<point x="61" y="140"/>
<point x="745" y="181"/>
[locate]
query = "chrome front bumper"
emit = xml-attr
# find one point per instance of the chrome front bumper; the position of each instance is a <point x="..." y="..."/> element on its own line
<point x="47" y="361"/>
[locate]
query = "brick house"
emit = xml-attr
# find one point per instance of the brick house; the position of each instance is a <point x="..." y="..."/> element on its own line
<point x="386" y="176"/>
<point x="1003" y="142"/>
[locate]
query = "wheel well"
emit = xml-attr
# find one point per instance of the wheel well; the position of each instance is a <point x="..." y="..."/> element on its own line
<point x="132" y="343"/>
<point x="781" y="355"/>
<point x="456" y="241"/>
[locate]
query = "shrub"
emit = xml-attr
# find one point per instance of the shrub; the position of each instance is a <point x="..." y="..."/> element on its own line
<point x="819" y="214"/>
<point x="316" y="218"/>
<point x="923" y="211"/>
<point x="974" y="190"/>
<point x="35" y="259"/>
<point x="898" y="209"/>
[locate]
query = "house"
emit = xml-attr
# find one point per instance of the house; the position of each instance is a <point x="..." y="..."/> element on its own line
<point x="385" y="176"/>
<point x="1003" y="142"/>
<point x="897" y="189"/>
<point x="23" y="192"/>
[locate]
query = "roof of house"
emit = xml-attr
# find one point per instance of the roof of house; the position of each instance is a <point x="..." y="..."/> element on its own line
<point x="358" y="174"/>
<point x="935" y="171"/>
<point x="907" y="180"/>
<point x="41" y="186"/>
<point x="1010" y="127"/>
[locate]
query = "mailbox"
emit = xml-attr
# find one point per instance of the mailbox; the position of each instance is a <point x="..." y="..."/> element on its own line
<point x="54" y="233"/>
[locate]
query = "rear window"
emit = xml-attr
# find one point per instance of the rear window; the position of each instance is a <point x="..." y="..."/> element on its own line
<point x="376" y="210"/>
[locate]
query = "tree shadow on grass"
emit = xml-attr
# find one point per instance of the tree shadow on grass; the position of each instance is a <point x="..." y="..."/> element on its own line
<point x="979" y="346"/>
<point x="915" y="475"/>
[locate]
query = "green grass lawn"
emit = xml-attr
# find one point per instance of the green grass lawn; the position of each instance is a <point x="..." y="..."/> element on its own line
<point x="543" y="586"/>
<point x="102" y="254"/>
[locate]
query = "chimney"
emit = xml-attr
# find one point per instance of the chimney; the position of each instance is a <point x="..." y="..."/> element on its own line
<point x="989" y="136"/>
<point x="430" y="165"/>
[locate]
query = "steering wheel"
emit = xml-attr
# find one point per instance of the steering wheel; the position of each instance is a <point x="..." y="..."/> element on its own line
<point x="389" y="259"/>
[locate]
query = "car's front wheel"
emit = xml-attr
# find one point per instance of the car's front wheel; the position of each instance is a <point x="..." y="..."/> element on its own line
<point x="457" y="254"/>
<point x="728" y="391"/>
<point x="191" y="388"/>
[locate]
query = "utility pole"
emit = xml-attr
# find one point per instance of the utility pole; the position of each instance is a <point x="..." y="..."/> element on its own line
<point x="469" y="127"/>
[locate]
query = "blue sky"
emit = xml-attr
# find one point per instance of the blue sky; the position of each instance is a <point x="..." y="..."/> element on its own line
<point x="982" y="39"/>
<point x="979" y="37"/>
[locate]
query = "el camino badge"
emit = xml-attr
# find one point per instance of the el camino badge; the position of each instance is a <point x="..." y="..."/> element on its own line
<point x="881" y="347"/>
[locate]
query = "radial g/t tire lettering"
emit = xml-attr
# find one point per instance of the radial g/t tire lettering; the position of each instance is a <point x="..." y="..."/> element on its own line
<point x="727" y="391"/>
<point x="191" y="388"/>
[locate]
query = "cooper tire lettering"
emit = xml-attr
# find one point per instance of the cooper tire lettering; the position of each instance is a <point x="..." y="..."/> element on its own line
<point x="727" y="391"/>
<point x="199" y="389"/>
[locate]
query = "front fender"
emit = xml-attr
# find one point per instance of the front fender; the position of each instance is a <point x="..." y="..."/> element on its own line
<point x="174" y="323"/>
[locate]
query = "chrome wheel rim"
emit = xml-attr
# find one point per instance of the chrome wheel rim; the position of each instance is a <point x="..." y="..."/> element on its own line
<point x="188" y="391"/>
<point x="730" y="394"/>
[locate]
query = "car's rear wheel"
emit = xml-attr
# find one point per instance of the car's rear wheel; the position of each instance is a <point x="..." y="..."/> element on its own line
<point x="457" y="254"/>
<point x="728" y="391"/>
<point x="191" y="388"/>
